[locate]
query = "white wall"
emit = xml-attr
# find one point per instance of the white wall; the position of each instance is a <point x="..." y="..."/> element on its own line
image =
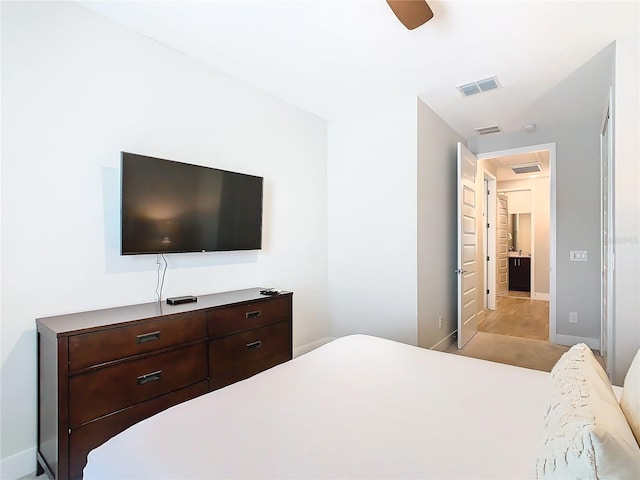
<point x="519" y="201"/>
<point x="372" y="222"/>
<point x="627" y="205"/>
<point x="437" y="229"/>
<point x="76" y="90"/>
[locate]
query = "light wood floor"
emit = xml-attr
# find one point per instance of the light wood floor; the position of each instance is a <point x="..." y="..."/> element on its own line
<point x="517" y="317"/>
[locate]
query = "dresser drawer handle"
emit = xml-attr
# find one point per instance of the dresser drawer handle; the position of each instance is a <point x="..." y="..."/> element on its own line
<point x="149" y="377"/>
<point x="254" y="314"/>
<point x="148" y="337"/>
<point x="253" y="345"/>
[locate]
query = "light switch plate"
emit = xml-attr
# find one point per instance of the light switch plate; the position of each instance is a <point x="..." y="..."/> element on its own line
<point x="578" y="255"/>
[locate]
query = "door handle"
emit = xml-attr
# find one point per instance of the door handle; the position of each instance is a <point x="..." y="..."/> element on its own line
<point x="459" y="271"/>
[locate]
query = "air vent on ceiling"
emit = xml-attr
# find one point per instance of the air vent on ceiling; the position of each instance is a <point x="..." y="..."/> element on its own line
<point x="488" y="130"/>
<point x="478" y="86"/>
<point x="526" y="168"/>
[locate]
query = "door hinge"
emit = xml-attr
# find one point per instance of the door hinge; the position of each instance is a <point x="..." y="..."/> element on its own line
<point x="488" y="225"/>
<point x="487" y="291"/>
<point x="488" y="258"/>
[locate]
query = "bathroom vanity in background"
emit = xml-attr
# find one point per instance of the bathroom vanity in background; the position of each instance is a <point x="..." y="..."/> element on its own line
<point x="520" y="273"/>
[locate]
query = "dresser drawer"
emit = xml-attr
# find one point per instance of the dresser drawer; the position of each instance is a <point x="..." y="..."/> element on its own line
<point x="246" y="370"/>
<point x="97" y="393"/>
<point x="228" y="353"/>
<point x="89" y="436"/>
<point x="103" y="346"/>
<point x="224" y="321"/>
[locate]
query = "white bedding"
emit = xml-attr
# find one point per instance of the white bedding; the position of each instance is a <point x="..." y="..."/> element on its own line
<point x="358" y="407"/>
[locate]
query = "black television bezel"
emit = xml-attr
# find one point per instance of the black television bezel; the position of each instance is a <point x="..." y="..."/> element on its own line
<point x="159" y="252"/>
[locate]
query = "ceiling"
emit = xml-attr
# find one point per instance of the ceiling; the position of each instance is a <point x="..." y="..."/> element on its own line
<point x="503" y="165"/>
<point x="337" y="57"/>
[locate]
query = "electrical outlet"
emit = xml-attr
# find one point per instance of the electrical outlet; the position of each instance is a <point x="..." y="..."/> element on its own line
<point x="573" y="317"/>
<point x="439" y="322"/>
<point x="578" y="255"/>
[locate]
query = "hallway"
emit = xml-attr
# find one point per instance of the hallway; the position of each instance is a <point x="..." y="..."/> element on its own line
<point x="517" y="317"/>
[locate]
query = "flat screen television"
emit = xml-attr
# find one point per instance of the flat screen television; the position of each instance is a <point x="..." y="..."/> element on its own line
<point x="171" y="207"/>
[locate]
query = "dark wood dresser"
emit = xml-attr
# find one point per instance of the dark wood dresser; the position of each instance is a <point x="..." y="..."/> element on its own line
<point x="102" y="371"/>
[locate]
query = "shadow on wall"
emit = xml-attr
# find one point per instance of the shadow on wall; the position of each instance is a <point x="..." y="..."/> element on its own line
<point x="116" y="263"/>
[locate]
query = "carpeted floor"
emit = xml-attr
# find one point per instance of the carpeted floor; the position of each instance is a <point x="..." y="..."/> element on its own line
<point x="521" y="352"/>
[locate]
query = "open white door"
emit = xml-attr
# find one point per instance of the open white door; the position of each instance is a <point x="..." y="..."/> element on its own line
<point x="467" y="245"/>
<point x="502" y="285"/>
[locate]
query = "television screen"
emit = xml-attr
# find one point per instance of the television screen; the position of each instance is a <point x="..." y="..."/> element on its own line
<point x="170" y="207"/>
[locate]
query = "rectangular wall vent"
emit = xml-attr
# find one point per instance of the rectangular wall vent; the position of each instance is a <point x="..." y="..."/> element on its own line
<point x="478" y="86"/>
<point x="526" y="168"/>
<point x="488" y="130"/>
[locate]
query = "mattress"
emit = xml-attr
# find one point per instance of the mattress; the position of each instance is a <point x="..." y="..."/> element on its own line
<point x="358" y="407"/>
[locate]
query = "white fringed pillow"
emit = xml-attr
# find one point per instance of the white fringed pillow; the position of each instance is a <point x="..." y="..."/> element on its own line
<point x="586" y="435"/>
<point x="630" y="399"/>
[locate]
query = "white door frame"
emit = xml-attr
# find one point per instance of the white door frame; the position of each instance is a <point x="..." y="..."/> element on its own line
<point x="491" y="200"/>
<point x="608" y="257"/>
<point x="551" y="148"/>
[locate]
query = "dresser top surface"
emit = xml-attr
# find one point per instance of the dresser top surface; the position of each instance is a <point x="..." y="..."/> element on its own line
<point x="81" y="322"/>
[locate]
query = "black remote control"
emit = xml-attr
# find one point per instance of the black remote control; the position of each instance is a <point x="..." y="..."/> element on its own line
<point x="269" y="291"/>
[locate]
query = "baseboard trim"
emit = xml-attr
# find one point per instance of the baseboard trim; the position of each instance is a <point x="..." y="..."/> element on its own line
<point x="445" y="343"/>
<point x="311" y="346"/>
<point x="570" y="340"/>
<point x="18" y="465"/>
<point x="541" y="296"/>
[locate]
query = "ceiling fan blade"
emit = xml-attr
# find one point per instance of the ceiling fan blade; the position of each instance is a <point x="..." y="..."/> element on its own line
<point x="412" y="13"/>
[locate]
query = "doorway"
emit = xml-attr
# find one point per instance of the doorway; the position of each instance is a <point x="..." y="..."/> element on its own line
<point x="518" y="231"/>
<point x="528" y="169"/>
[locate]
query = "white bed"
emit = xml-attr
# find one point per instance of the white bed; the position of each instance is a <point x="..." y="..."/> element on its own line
<point x="358" y="407"/>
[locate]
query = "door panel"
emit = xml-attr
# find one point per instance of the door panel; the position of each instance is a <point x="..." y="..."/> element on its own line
<point x="467" y="245"/>
<point x="503" y="246"/>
